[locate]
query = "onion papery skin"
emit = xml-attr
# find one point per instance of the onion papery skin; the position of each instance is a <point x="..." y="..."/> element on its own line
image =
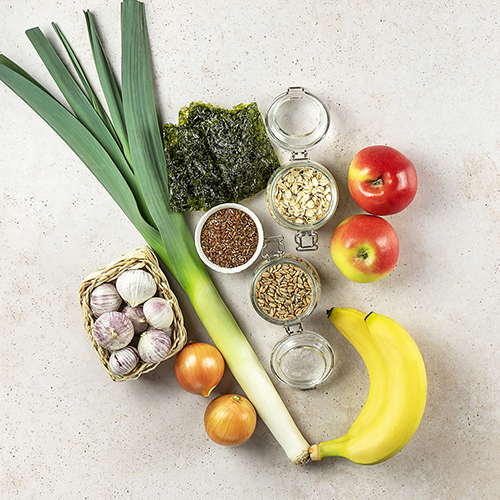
<point x="230" y="420"/>
<point x="199" y="368"/>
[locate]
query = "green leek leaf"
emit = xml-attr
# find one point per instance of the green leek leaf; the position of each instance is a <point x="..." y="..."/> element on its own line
<point x="82" y="142"/>
<point x="146" y="144"/>
<point x="109" y="86"/>
<point x="84" y="111"/>
<point x="91" y="95"/>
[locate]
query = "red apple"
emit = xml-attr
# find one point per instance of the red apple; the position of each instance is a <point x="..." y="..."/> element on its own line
<point x="381" y="180"/>
<point x="365" y="248"/>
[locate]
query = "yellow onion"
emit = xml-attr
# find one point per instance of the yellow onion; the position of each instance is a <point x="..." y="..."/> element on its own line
<point x="199" y="368"/>
<point x="230" y="420"/>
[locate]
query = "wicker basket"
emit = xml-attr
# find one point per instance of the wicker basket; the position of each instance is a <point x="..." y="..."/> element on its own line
<point x="141" y="258"/>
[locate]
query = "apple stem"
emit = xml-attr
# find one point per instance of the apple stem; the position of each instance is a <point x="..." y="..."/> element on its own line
<point x="378" y="182"/>
<point x="363" y="254"/>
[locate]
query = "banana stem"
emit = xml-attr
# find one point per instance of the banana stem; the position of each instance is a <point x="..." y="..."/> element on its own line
<point x="333" y="448"/>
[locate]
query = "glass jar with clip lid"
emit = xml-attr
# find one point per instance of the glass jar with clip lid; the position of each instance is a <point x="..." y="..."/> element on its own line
<point x="302" y="195"/>
<point x="284" y="291"/>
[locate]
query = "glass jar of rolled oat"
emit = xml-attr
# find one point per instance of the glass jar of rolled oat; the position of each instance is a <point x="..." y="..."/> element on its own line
<point x="302" y="195"/>
<point x="285" y="290"/>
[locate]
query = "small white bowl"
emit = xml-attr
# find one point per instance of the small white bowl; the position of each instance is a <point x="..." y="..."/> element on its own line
<point x="208" y="262"/>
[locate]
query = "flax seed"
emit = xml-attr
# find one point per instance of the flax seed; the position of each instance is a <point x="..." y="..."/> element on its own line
<point x="229" y="238"/>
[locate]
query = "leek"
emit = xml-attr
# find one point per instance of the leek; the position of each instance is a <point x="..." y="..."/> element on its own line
<point x="125" y="153"/>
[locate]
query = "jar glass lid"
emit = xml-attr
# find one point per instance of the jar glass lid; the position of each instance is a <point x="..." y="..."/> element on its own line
<point x="297" y="120"/>
<point x="302" y="360"/>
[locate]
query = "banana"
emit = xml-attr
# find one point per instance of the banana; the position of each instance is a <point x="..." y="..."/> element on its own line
<point x="351" y="324"/>
<point x="398" y="416"/>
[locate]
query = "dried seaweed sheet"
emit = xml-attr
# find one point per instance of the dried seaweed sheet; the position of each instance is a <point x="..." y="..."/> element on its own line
<point x="217" y="155"/>
<point x="184" y="198"/>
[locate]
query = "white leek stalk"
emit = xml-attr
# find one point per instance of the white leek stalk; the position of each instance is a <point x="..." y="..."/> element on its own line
<point x="247" y="369"/>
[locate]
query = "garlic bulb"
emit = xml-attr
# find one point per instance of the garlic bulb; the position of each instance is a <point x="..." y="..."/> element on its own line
<point x="124" y="360"/>
<point x="104" y="298"/>
<point x="136" y="286"/>
<point x="159" y="313"/>
<point x="136" y="315"/>
<point x="154" y="345"/>
<point x="113" y="330"/>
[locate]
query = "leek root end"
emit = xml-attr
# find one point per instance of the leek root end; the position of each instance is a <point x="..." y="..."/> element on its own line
<point x="304" y="458"/>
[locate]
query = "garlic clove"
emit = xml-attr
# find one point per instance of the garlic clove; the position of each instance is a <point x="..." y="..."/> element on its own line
<point x="113" y="330"/>
<point x="136" y="286"/>
<point x="159" y="313"/>
<point x="154" y="345"/>
<point x="104" y="298"/>
<point x="124" y="360"/>
<point x="136" y="315"/>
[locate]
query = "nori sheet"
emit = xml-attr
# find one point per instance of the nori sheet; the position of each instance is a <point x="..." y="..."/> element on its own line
<point x="181" y="198"/>
<point x="216" y="155"/>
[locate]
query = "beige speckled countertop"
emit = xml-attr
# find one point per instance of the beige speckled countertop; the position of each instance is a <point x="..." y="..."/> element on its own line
<point x="420" y="76"/>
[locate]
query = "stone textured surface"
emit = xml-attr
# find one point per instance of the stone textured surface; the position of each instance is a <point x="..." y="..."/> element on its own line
<point x="420" y="76"/>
